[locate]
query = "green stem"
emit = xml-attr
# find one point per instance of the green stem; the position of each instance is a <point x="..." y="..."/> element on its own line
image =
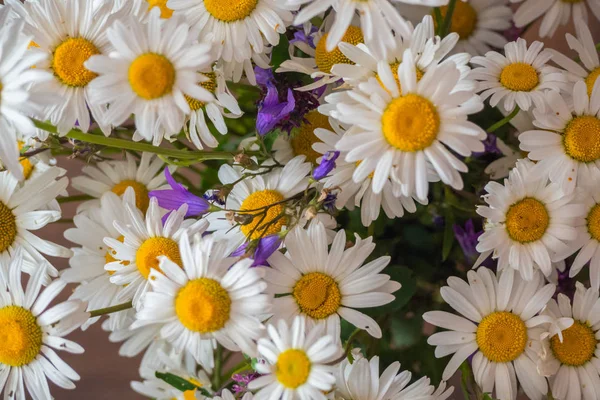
<point x="110" y="310"/>
<point x="71" y="199"/>
<point x="136" y="146"/>
<point x="504" y="120"/>
<point x="218" y="364"/>
<point x="437" y="14"/>
<point x="448" y="20"/>
<point x="65" y="221"/>
<point x="240" y="367"/>
<point x="348" y="347"/>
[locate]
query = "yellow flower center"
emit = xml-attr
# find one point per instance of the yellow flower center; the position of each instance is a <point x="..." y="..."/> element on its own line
<point x="582" y="139"/>
<point x="230" y="10"/>
<point x="202" y="305"/>
<point x="151" y="76"/>
<point x="264" y="222"/>
<point x="501" y="336"/>
<point x="593" y="222"/>
<point x="20" y="335"/>
<point x="527" y="220"/>
<point x="519" y="77"/>
<point x="210" y="85"/>
<point x="142" y="200"/>
<point x="591" y="80"/>
<point x="8" y="227"/>
<point x="464" y="19"/>
<point x="147" y="253"/>
<point x="394" y="66"/>
<point x="410" y="123"/>
<point x="165" y="12"/>
<point x="578" y="345"/>
<point x="304" y="137"/>
<point x="24" y="161"/>
<point x="68" y="59"/>
<point x="317" y="295"/>
<point x="327" y="59"/>
<point x="292" y="368"/>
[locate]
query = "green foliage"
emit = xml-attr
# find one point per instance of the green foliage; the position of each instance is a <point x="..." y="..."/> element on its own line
<point x="180" y="383"/>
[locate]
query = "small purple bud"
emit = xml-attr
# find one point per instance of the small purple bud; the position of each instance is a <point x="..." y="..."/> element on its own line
<point x="327" y="165"/>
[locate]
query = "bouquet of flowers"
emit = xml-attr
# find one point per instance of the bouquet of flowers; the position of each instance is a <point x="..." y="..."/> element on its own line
<point x="285" y="199"/>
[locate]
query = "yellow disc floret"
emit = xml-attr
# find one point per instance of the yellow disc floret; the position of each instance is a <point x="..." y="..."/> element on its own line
<point x="202" y="305"/>
<point x="25" y="163"/>
<point x="292" y="368"/>
<point x="410" y="123"/>
<point x="593" y="222"/>
<point x="304" y="137"/>
<point x="501" y="336"/>
<point x="142" y="200"/>
<point x="527" y="220"/>
<point x="464" y="19"/>
<point x="210" y="85"/>
<point x="578" y="345"/>
<point x="151" y="76"/>
<point x="230" y="10"/>
<point x="8" y="227"/>
<point x="519" y="77"/>
<point x="20" y="335"/>
<point x="264" y="223"/>
<point x="68" y="59"/>
<point x="591" y="79"/>
<point x="327" y="59"/>
<point x="150" y="249"/>
<point x="582" y="139"/>
<point x="317" y="295"/>
<point x="165" y="12"/>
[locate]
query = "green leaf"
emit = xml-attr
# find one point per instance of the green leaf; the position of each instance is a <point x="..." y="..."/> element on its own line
<point x="406" y="332"/>
<point x="409" y="286"/>
<point x="280" y="52"/>
<point x="179" y="383"/>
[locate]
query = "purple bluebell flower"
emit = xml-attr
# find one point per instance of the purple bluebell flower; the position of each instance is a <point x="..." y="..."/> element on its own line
<point x="272" y="111"/>
<point x="467" y="239"/>
<point x="326" y="166"/>
<point x="513" y="33"/>
<point x="260" y="251"/>
<point x="172" y="199"/>
<point x="301" y="36"/>
<point x="329" y="203"/>
<point x="490" y="146"/>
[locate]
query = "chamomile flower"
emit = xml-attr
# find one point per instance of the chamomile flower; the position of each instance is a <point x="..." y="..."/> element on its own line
<point x="138" y="340"/>
<point x="22" y="210"/>
<point x="19" y="85"/>
<point x="530" y="222"/>
<point x="499" y="326"/>
<point x="238" y="26"/>
<point x="323" y="285"/>
<point x="585" y="47"/>
<point x="390" y="385"/>
<point x="296" y="362"/>
<point x="206" y="298"/>
<point x="154" y="66"/>
<point x="145" y="238"/>
<point x="379" y="20"/>
<point x="69" y="33"/>
<point x="566" y="144"/>
<point x="399" y="128"/>
<point x="256" y="193"/>
<point x="570" y="358"/>
<point x="88" y="261"/>
<point x="30" y="333"/>
<point x="555" y="12"/>
<point x="117" y="176"/>
<point x="519" y="77"/>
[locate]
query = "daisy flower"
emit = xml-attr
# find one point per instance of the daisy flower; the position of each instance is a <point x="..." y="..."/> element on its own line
<point x="500" y="327"/>
<point x="30" y="334"/>
<point x="325" y="285"/>
<point x="256" y="193"/>
<point x="566" y="144"/>
<point x="20" y="98"/>
<point x="296" y="362"/>
<point x="206" y="298"/>
<point x="379" y="20"/>
<point x="22" y="210"/>
<point x="117" y="176"/>
<point x="144" y="239"/>
<point x="88" y="261"/>
<point x="530" y="222"/>
<point x="69" y="33"/>
<point x="585" y="47"/>
<point x="390" y="385"/>
<point x="138" y="340"/>
<point x="154" y="66"/>
<point x="240" y="27"/>
<point x="570" y="358"/>
<point x="399" y="127"/>
<point x="520" y="76"/>
<point x="555" y="12"/>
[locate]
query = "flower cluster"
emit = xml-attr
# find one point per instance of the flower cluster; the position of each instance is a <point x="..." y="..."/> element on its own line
<point x="304" y="248"/>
